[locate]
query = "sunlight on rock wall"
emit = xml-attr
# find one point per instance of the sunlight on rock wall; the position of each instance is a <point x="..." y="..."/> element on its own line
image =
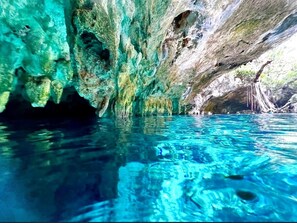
<point x="278" y="80"/>
<point x="131" y="57"/>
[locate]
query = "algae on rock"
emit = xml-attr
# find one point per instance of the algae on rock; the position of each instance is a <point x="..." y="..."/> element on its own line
<point x="132" y="57"/>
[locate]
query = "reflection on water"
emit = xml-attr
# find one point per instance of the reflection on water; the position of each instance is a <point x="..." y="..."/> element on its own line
<point x="212" y="168"/>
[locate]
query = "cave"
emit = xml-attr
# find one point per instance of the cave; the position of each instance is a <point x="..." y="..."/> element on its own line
<point x="231" y="102"/>
<point x="71" y="105"/>
<point x="140" y="111"/>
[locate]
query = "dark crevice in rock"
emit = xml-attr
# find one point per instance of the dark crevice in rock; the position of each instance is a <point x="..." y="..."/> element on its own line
<point x="60" y="60"/>
<point x="19" y="72"/>
<point x="72" y="105"/>
<point x="179" y="21"/>
<point x="184" y="21"/>
<point x="111" y="109"/>
<point x="151" y="87"/>
<point x="137" y="106"/>
<point x="233" y="65"/>
<point x="92" y="44"/>
<point x="137" y="35"/>
<point x="195" y="2"/>
<point x="219" y="64"/>
<point x="181" y="27"/>
<point x="266" y="37"/>
<point x="228" y="66"/>
<point x="73" y="25"/>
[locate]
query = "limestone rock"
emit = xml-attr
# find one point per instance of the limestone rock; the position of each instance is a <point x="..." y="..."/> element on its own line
<point x="278" y="81"/>
<point x="219" y="87"/>
<point x="132" y="56"/>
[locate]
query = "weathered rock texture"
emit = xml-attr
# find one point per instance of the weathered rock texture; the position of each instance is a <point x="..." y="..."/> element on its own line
<point x="232" y="91"/>
<point x="132" y="56"/>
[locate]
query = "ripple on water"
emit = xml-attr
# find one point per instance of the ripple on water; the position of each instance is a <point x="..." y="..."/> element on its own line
<point x="212" y="168"/>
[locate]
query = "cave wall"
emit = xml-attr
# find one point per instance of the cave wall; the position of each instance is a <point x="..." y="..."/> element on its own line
<point x="34" y="53"/>
<point x="228" y="92"/>
<point x="126" y="57"/>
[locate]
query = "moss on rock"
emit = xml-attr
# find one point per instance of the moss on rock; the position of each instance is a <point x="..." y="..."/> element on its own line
<point x="157" y="105"/>
<point x="131" y="56"/>
<point x="38" y="91"/>
<point x="4" y="96"/>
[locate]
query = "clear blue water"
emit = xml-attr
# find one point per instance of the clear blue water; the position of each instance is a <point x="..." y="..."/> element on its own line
<point x="211" y="168"/>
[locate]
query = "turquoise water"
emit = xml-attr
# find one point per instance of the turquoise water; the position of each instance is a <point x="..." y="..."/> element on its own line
<point x="211" y="168"/>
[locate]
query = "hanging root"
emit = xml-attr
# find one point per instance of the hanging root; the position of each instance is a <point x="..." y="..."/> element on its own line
<point x="258" y="100"/>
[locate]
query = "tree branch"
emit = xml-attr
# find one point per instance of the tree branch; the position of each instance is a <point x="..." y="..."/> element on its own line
<point x="261" y="70"/>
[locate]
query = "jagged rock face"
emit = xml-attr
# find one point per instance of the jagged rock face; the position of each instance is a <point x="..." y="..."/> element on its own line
<point x="231" y="102"/>
<point x="221" y="86"/>
<point x="131" y="56"/>
<point x="230" y="92"/>
<point x="34" y="53"/>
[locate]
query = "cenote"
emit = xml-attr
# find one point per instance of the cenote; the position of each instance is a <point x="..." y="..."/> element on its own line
<point x="157" y="168"/>
<point x="148" y="110"/>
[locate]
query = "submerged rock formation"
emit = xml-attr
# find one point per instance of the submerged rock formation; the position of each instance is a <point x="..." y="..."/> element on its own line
<point x="128" y="57"/>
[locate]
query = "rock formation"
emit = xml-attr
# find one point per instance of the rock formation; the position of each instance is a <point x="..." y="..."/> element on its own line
<point x="126" y="57"/>
<point x="236" y="91"/>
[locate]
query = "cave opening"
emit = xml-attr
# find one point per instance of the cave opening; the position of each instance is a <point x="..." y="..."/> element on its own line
<point x="231" y="102"/>
<point x="71" y="106"/>
<point x="184" y="20"/>
<point x="181" y="18"/>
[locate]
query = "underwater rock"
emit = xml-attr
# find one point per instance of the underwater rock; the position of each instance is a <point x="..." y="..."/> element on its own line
<point x="246" y="195"/>
<point x="235" y="177"/>
<point x="130" y="57"/>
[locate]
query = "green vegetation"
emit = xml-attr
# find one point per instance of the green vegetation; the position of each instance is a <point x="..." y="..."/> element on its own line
<point x="245" y="74"/>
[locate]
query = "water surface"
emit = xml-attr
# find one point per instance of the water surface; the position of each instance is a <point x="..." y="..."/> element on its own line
<point x="181" y="168"/>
